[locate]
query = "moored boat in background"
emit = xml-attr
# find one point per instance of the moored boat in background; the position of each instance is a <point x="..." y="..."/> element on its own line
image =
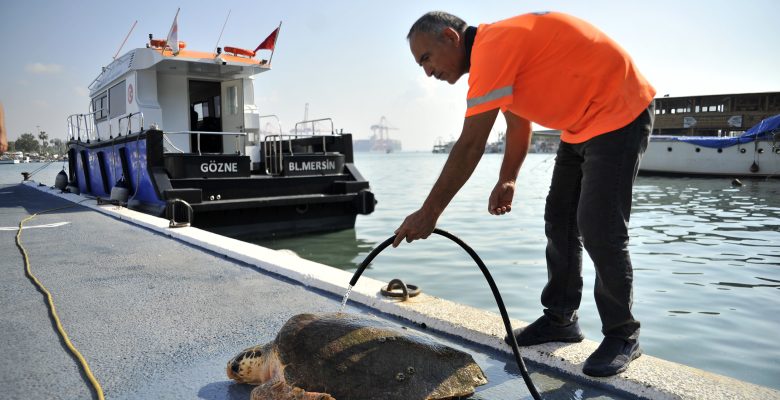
<point x="708" y="135"/>
<point x="754" y="153"/>
<point x="178" y="133"/>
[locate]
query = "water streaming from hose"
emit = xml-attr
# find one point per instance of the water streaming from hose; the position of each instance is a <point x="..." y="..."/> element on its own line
<point x="344" y="300"/>
<point x="491" y="283"/>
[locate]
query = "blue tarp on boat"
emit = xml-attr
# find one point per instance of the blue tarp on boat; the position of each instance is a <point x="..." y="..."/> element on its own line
<point x="763" y="130"/>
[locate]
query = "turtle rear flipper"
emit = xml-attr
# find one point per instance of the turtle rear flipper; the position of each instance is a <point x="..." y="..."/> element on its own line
<point x="283" y="391"/>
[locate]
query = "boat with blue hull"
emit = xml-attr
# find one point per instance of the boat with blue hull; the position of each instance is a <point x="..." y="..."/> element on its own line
<point x="175" y="133"/>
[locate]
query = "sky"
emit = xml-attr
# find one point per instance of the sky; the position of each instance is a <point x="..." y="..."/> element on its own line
<point x="350" y="60"/>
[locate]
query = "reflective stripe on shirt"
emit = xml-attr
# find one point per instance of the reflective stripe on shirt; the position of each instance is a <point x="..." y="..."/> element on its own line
<point x="490" y="96"/>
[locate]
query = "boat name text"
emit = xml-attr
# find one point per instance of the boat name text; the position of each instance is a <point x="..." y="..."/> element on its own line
<point x="219" y="167"/>
<point x="312" y="165"/>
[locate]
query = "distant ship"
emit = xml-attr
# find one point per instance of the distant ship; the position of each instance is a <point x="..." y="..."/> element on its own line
<point x="380" y="139"/>
<point x="373" y="144"/>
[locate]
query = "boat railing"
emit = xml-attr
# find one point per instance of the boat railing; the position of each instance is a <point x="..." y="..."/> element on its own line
<point x="311" y="132"/>
<point x="82" y="126"/>
<point x="129" y="118"/>
<point x="240" y="141"/>
<point x="274" y="151"/>
<point x="276" y="147"/>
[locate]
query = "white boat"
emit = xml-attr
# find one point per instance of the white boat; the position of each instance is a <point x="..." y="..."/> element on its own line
<point x="755" y="153"/>
<point x="176" y="133"/>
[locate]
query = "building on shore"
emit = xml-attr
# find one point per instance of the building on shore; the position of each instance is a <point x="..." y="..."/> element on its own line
<point x="545" y="141"/>
<point x="713" y="115"/>
<point x="542" y="141"/>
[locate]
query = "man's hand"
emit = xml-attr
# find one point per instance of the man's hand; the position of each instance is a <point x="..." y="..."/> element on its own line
<point x="500" y="201"/>
<point x="463" y="159"/>
<point x="418" y="225"/>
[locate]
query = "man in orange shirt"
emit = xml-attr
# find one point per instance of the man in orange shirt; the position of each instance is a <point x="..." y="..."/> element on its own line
<point x="563" y="73"/>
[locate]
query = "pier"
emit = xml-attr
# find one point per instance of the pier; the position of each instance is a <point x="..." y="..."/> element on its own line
<point x="158" y="311"/>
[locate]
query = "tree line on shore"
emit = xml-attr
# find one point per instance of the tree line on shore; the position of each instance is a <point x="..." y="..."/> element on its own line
<point x="28" y="143"/>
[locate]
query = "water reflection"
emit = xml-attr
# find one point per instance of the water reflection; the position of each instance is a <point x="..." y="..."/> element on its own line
<point x="550" y="386"/>
<point x="709" y="254"/>
<point x="505" y="381"/>
<point x="750" y="286"/>
<point x="337" y="249"/>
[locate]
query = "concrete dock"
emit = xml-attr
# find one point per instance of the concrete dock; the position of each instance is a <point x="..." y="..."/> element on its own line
<point x="154" y="317"/>
<point x="157" y="311"/>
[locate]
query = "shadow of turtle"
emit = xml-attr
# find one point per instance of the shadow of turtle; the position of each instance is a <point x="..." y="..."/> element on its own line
<point x="225" y="390"/>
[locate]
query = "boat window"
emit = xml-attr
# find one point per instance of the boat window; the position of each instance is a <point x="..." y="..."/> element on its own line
<point x="232" y="100"/>
<point x="204" y="107"/>
<point x="116" y="99"/>
<point x="196" y="114"/>
<point x="100" y="106"/>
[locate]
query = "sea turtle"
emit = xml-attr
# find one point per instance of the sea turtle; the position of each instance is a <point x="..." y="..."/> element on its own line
<point x="353" y="357"/>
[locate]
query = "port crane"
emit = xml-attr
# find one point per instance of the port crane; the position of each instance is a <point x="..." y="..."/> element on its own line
<point x="381" y="136"/>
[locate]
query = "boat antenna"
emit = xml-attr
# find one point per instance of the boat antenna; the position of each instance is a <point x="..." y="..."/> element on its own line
<point x="223" y="30"/>
<point x="125" y="41"/>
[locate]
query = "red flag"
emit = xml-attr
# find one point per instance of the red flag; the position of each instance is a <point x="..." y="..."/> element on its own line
<point x="269" y="42"/>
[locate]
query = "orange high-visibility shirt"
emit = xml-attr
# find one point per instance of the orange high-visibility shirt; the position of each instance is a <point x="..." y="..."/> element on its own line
<point x="558" y="71"/>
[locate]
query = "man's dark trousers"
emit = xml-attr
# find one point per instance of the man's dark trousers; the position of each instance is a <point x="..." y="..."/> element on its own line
<point x="589" y="204"/>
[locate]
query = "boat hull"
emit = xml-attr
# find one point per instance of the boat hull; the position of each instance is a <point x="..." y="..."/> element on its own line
<point x="220" y="192"/>
<point x="760" y="158"/>
<point x="96" y="167"/>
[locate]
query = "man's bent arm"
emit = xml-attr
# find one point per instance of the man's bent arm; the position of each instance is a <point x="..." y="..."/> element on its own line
<point x="518" y="140"/>
<point x="461" y="162"/>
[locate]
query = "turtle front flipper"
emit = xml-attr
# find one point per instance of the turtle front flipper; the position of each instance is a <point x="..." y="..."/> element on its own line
<point x="282" y="391"/>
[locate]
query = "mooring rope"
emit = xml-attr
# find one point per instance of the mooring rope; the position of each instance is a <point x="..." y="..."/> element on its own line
<point x="41" y="168"/>
<point x="50" y="302"/>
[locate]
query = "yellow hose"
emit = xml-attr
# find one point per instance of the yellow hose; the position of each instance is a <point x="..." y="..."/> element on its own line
<point x="53" y="310"/>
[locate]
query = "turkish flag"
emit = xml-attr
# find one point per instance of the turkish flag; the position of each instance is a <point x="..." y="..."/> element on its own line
<point x="269" y="42"/>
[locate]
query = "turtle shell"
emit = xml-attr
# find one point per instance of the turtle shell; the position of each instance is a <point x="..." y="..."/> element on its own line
<point x="355" y="357"/>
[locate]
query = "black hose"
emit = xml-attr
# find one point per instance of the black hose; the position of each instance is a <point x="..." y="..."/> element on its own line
<point x="493" y="288"/>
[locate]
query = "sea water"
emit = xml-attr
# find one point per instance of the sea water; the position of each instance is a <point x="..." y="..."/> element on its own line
<point x="706" y="255"/>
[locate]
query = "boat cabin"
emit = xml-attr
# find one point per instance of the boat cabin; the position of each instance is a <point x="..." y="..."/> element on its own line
<point x="144" y="88"/>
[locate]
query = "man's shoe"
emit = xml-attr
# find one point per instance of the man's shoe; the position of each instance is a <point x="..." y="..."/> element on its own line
<point x="612" y="357"/>
<point x="544" y="330"/>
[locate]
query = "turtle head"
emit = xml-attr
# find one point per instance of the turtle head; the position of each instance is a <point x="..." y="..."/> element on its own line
<point x="248" y="366"/>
